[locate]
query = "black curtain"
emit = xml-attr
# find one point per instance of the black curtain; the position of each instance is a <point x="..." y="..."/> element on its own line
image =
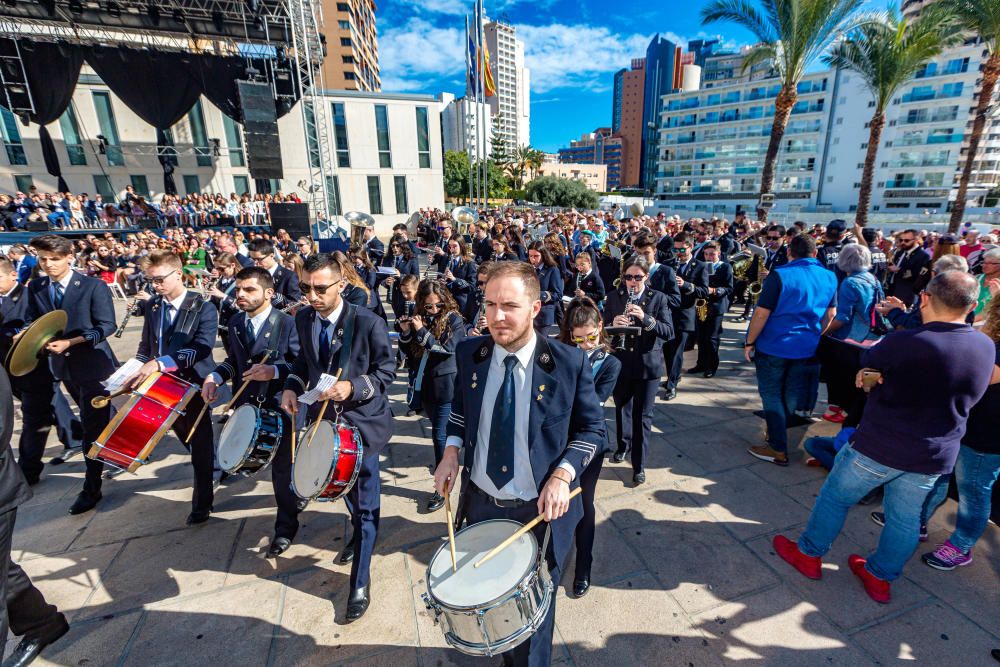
<point x="217" y="77"/>
<point x="52" y="72"/>
<point x="160" y="87"/>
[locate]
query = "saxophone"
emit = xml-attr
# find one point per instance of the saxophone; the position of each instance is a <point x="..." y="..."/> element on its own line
<point x="756" y="286"/>
<point x="701" y="309"/>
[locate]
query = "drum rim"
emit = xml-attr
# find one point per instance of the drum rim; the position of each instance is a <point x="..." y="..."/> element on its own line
<point x="250" y="444"/>
<point x="360" y="443"/>
<point x="489" y="604"/>
<point x="329" y="474"/>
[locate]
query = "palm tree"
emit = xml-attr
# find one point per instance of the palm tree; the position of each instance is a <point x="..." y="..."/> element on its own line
<point x="886" y="54"/>
<point x="792" y="35"/>
<point x="981" y="17"/>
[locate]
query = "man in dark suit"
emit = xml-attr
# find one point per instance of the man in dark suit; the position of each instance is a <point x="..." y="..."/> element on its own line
<point x="25" y="609"/>
<point x="514" y="388"/>
<point x="482" y="244"/>
<point x="662" y="277"/>
<point x="24" y="263"/>
<point x="262" y="331"/>
<point x="910" y="270"/>
<point x="178" y="334"/>
<point x="286" y="283"/>
<point x="81" y="359"/>
<point x="720" y="289"/>
<point x="373" y="246"/>
<point x="775" y="243"/>
<point x="692" y="280"/>
<point x="337" y="337"/>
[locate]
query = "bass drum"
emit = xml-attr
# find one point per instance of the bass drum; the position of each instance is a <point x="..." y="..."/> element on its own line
<point x="326" y="468"/>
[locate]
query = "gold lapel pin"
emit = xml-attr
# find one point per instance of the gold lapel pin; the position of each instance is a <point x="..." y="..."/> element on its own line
<point x="541" y="387"/>
<point x="538" y="398"/>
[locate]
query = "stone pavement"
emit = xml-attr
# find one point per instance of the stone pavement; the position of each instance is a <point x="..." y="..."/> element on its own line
<point x="684" y="573"/>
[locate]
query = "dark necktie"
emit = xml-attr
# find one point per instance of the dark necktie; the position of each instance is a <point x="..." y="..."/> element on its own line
<point x="57" y="289"/>
<point x="500" y="458"/>
<point x="251" y="335"/>
<point x="167" y="324"/>
<point x="324" y="343"/>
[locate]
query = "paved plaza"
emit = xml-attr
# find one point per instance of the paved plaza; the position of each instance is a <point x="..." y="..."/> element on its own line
<point x="684" y="572"/>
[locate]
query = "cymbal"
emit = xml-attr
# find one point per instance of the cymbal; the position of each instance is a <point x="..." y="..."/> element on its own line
<point x="25" y="353"/>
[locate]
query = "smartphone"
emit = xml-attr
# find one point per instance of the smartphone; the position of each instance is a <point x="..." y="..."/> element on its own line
<point x="869" y="379"/>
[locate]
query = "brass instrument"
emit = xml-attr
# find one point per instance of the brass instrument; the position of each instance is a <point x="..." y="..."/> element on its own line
<point x="741" y="263"/>
<point x="359" y="222"/>
<point x="701" y="309"/>
<point x="757" y="286"/>
<point x="464" y="217"/>
<point x="636" y="209"/>
<point x="293" y="307"/>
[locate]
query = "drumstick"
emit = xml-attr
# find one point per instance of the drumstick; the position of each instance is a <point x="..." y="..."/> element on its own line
<point x="228" y="406"/>
<point x="451" y="527"/>
<point x="520" y="531"/>
<point x="196" y="422"/>
<point x="322" y="410"/>
<point x="244" y="385"/>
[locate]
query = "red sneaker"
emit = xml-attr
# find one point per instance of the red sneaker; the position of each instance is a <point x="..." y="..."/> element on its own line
<point x="809" y="566"/>
<point x="877" y="589"/>
<point x="835" y="417"/>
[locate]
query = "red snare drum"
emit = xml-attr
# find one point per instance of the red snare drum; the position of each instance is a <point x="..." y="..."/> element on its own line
<point x="327" y="468"/>
<point x="150" y="411"/>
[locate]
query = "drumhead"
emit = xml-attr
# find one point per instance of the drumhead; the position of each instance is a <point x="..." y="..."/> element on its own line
<point x="313" y="462"/>
<point x="237" y="437"/>
<point x="471" y="586"/>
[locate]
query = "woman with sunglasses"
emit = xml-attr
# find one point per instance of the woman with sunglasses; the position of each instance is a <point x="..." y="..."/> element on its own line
<point x="582" y="326"/>
<point x="502" y="251"/>
<point x="634" y="303"/>
<point x="429" y="339"/>
<point x="458" y="270"/>
<point x="551" y="285"/>
<point x="400" y="258"/>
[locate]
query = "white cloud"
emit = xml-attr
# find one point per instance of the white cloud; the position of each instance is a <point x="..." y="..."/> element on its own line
<point x="460" y="7"/>
<point x="418" y="56"/>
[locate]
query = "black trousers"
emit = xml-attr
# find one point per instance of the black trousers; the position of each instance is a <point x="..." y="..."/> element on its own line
<point x="202" y="449"/>
<point x="673" y="356"/>
<point x="634" y="401"/>
<point x="286" y="523"/>
<point x="709" y="334"/>
<point x="537" y="651"/>
<point x="36" y="407"/>
<point x="588" y="524"/>
<point x="364" y="502"/>
<point x="25" y="608"/>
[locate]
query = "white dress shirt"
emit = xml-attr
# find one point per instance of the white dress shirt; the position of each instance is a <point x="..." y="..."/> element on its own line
<point x="253" y="325"/>
<point x="332" y="319"/>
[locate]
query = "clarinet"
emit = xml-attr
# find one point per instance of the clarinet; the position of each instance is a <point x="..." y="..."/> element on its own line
<point x="128" y="315"/>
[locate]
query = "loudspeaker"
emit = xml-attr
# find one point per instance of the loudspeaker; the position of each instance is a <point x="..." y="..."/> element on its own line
<point x="37" y="226"/>
<point x="293" y="218"/>
<point x="260" y="130"/>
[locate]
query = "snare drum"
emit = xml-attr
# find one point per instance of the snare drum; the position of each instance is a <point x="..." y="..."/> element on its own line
<point x="494" y="608"/>
<point x="249" y="440"/>
<point x="141" y="423"/>
<point x="327" y="468"/>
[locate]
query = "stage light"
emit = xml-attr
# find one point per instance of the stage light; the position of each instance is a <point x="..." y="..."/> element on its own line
<point x="220" y="25"/>
<point x="76" y="7"/>
<point x="154" y="14"/>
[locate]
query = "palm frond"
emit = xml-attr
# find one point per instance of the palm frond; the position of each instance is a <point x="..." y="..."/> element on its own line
<point x="740" y="12"/>
<point x="981" y="17"/>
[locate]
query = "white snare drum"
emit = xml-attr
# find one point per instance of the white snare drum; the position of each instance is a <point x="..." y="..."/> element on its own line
<point x="249" y="440"/>
<point x="494" y="608"/>
<point x="326" y="468"/>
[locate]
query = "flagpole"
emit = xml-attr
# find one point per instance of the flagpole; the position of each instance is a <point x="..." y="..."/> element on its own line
<point x="477" y="21"/>
<point x="465" y="108"/>
<point x="486" y="113"/>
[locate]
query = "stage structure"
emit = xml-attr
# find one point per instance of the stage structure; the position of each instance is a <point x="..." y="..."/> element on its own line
<point x="184" y="48"/>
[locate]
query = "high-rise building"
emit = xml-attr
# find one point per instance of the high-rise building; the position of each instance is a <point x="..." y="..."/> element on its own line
<point x="351" y="61"/>
<point x="459" y="122"/>
<point x="602" y="146"/>
<point x="726" y="69"/>
<point x="662" y="76"/>
<point x="702" y="49"/>
<point x="510" y="105"/>
<point x="616" y="100"/>
<point x="631" y="129"/>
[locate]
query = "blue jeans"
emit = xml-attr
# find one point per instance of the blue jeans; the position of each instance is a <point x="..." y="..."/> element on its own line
<point x="822" y="450"/>
<point x="438" y="414"/>
<point x="975" y="474"/>
<point x="786" y="387"/>
<point x="853" y="476"/>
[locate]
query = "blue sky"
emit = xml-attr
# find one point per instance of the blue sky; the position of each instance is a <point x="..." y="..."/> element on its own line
<point x="572" y="48"/>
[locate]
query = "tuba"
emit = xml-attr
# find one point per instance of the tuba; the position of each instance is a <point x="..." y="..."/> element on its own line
<point x="464" y="217"/>
<point x="359" y="222"/>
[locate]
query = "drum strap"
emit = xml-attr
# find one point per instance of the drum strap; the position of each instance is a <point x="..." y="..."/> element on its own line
<point x="344" y="358"/>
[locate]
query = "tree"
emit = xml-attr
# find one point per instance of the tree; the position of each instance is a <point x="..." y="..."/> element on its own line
<point x="792" y="35"/>
<point x="456" y="174"/>
<point x="886" y="54"/>
<point x="499" y="182"/>
<point x="498" y="145"/>
<point x="981" y="17"/>
<point x="564" y="192"/>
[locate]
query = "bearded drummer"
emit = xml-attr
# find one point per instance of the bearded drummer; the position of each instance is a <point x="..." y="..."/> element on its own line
<point x="262" y="330"/>
<point x="513" y="388"/>
<point x="178" y="334"/>
<point x="340" y="337"/>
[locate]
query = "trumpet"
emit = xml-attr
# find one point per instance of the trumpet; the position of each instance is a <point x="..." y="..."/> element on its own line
<point x="701" y="309"/>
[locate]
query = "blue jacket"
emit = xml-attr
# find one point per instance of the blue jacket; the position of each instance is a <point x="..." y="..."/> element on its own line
<point x="798" y="295"/>
<point x="855" y="297"/>
<point x="190" y="338"/>
<point x="240" y="358"/>
<point x="551" y="296"/>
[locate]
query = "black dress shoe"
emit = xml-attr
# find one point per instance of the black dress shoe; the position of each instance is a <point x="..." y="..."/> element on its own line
<point x="639" y="478"/>
<point x="194" y="519"/>
<point x="357" y="604"/>
<point x="710" y="374"/>
<point x="29" y="649"/>
<point x="435" y="502"/>
<point x="301" y="504"/>
<point x="347" y="555"/>
<point x="695" y="369"/>
<point x="996" y="654"/>
<point x="32" y="480"/>
<point x="84" y="503"/>
<point x="580" y="587"/>
<point x="278" y="546"/>
<point x="670" y="395"/>
<point x="618" y="457"/>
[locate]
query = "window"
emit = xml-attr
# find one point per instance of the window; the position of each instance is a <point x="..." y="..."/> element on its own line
<point x="345" y="41"/>
<point x="340" y="135"/>
<point x="196" y="117"/>
<point x="234" y="141"/>
<point x="71" y="137"/>
<point x="311" y="138"/>
<point x="241" y="185"/>
<point x="12" y="138"/>
<point x="374" y="196"/>
<point x="343" y="7"/>
<point x="402" y="206"/>
<point x="349" y="76"/>
<point x="347" y="60"/>
<point x="191" y="184"/>
<point x="423" y="139"/>
<point x="274" y="184"/>
<point x="109" y="129"/>
<point x="333" y="195"/>
<point x="344" y="25"/>
<point x="23" y="182"/>
<point x="382" y="133"/>
<point x="140" y="185"/>
<point x="102" y="184"/>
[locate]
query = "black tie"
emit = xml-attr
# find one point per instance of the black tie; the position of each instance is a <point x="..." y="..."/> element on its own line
<point x="167" y="325"/>
<point x="251" y="335"/>
<point x="58" y="290"/>
<point x="500" y="458"/>
<point x="324" y="344"/>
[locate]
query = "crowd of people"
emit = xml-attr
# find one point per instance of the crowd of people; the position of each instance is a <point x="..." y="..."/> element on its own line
<point x="68" y="210"/>
<point x="522" y="311"/>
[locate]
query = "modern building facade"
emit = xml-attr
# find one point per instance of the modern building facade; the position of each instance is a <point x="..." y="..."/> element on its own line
<point x="632" y="125"/>
<point x="662" y="76"/>
<point x="386" y="150"/>
<point x="602" y="146"/>
<point x="351" y="61"/>
<point x="594" y="176"/>
<point x="460" y="131"/>
<point x="511" y="104"/>
<point x="726" y="69"/>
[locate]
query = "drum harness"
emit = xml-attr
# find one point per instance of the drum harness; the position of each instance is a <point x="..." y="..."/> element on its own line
<point x="276" y="329"/>
<point x="344" y="358"/>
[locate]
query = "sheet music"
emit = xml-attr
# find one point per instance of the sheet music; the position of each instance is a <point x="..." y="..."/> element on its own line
<point x="124" y="372"/>
<point x="386" y="270"/>
<point x="567" y="299"/>
<point x="311" y="396"/>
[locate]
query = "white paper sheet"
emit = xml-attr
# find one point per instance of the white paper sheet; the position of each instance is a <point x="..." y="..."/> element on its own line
<point x="311" y="396"/>
<point x="124" y="372"/>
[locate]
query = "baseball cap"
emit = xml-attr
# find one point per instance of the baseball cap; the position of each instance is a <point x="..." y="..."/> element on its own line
<point x="836" y="227"/>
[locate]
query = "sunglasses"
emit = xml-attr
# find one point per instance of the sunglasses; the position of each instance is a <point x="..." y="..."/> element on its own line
<point x="319" y="289"/>
<point x="773" y="238"/>
<point x="634" y="278"/>
<point x="433" y="306"/>
<point x="589" y="338"/>
<point x="158" y="280"/>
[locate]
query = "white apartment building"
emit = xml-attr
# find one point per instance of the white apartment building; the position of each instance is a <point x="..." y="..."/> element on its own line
<point x="510" y="106"/>
<point x="386" y="150"/>
<point x="713" y="143"/>
<point x="466" y="126"/>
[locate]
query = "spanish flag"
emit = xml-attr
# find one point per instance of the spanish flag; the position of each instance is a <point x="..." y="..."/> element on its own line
<point x="489" y="86"/>
<point x="483" y="59"/>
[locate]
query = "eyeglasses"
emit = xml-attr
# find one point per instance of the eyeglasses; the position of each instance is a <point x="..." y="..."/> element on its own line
<point x="634" y="277"/>
<point x="158" y="280"/>
<point x="480" y="283"/>
<point x="258" y="259"/>
<point x="589" y="338"/>
<point x="433" y="306"/>
<point x="319" y="289"/>
<point x="773" y="238"/>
